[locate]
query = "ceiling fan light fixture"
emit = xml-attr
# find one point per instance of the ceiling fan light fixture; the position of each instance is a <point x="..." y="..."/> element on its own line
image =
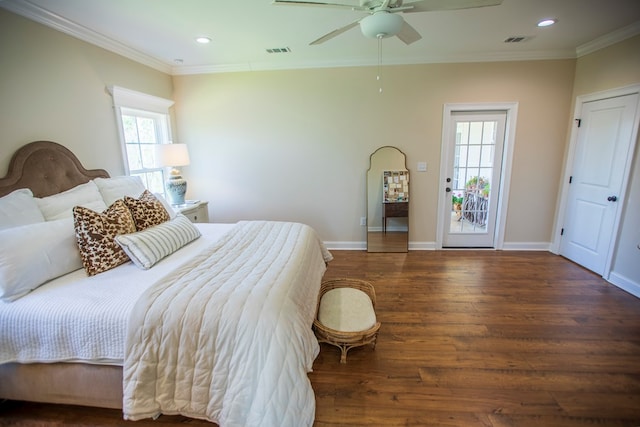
<point x="381" y="25"/>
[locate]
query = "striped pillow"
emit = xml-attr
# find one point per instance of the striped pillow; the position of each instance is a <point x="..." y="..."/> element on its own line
<point x="147" y="247"/>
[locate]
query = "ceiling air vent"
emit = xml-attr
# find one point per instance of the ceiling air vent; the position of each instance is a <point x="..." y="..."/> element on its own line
<point x="516" y="39"/>
<point x="279" y="50"/>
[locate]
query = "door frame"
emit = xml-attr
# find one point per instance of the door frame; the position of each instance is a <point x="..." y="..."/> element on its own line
<point x="511" y="109"/>
<point x="561" y="210"/>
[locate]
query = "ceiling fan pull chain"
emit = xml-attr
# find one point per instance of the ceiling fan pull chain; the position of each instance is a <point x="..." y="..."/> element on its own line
<point x="379" y="61"/>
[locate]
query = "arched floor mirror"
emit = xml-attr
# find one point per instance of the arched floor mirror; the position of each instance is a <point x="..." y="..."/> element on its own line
<point x="388" y="201"/>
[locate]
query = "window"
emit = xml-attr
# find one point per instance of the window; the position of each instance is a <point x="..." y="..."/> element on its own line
<point x="143" y="122"/>
<point x="142" y="130"/>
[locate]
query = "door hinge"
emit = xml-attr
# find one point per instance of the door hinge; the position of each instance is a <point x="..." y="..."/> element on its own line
<point x="562" y="231"/>
<point x="570" y="179"/>
<point x="578" y="122"/>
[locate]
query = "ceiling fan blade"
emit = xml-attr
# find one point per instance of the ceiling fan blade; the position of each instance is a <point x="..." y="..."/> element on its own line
<point x="408" y="34"/>
<point x="434" y="5"/>
<point x="335" y="33"/>
<point x="313" y="3"/>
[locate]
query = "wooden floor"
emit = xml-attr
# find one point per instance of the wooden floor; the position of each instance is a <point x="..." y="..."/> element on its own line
<point x="468" y="338"/>
<point x="391" y="241"/>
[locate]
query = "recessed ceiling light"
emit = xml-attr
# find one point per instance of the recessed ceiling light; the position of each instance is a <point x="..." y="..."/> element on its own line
<point x="547" y="22"/>
<point x="203" y="40"/>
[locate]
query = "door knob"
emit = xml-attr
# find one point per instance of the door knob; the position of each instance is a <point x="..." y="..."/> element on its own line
<point x="448" y="190"/>
<point x="448" y="179"/>
<point x="612" y="198"/>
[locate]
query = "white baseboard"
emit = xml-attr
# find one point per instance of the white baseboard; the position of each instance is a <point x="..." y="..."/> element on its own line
<point x="526" y="246"/>
<point x="346" y="246"/>
<point x="430" y="246"/>
<point x="625" y="284"/>
<point x="390" y="228"/>
<point x="422" y="246"/>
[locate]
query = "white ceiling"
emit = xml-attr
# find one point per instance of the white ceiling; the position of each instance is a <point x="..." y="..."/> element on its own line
<point x="161" y="33"/>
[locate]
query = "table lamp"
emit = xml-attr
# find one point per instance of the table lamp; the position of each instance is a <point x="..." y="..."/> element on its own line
<point x="173" y="155"/>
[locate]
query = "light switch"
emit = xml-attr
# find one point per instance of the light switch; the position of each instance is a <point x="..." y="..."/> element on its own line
<point x="422" y="166"/>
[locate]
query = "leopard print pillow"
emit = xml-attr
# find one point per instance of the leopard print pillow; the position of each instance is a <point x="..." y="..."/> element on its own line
<point x="146" y="210"/>
<point x="95" y="233"/>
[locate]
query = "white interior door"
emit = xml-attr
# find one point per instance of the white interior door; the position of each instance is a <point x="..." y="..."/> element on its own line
<point x="473" y="178"/>
<point x="603" y="146"/>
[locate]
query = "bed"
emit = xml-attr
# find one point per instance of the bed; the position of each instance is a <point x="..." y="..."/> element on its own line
<point x="218" y="328"/>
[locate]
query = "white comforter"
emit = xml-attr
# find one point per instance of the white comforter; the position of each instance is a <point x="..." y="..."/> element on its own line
<point x="76" y="318"/>
<point x="228" y="337"/>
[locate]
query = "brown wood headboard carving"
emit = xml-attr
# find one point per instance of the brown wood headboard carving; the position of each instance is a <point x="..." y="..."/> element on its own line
<point x="46" y="168"/>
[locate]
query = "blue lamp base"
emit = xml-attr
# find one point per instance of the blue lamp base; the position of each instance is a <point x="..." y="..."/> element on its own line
<point x="176" y="189"/>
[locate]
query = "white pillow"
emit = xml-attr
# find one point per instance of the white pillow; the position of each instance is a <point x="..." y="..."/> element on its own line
<point x="147" y="247"/>
<point x="33" y="254"/>
<point x="60" y="205"/>
<point x="19" y="208"/>
<point x="116" y="188"/>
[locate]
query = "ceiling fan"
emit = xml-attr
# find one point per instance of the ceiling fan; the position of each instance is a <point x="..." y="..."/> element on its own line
<point x="382" y="21"/>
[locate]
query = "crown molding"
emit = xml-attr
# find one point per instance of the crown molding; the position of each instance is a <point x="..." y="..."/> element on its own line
<point x="43" y="16"/>
<point x="609" y="39"/>
<point x="371" y="62"/>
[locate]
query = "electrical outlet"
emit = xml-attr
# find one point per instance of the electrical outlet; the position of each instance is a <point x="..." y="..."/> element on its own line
<point x="363" y="220"/>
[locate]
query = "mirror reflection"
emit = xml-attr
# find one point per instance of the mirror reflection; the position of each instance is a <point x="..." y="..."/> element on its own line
<point x="387" y="201"/>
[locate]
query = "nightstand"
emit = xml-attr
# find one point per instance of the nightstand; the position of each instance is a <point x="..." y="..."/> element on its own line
<point x="196" y="212"/>
<point x="393" y="210"/>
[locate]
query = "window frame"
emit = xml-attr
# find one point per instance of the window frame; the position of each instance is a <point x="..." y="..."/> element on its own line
<point x="138" y="104"/>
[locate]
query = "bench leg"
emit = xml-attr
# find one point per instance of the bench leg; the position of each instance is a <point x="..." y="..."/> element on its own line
<point x="343" y="356"/>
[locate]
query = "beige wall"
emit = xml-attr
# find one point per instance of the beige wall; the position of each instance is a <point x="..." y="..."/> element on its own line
<point x="295" y="145"/>
<point x="615" y="67"/>
<point x="52" y="87"/>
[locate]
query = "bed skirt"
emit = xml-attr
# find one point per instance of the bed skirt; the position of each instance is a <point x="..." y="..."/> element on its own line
<point x="63" y="383"/>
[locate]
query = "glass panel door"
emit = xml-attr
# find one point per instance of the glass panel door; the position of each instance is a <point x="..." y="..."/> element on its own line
<point x="476" y="143"/>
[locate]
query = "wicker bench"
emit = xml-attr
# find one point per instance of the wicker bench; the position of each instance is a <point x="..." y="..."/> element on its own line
<point x="345" y="316"/>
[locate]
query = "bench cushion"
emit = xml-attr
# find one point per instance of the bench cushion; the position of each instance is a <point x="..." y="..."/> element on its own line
<point x="346" y="310"/>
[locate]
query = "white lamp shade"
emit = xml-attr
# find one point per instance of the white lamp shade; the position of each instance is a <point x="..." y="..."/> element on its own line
<point x="171" y="155"/>
<point x="381" y="24"/>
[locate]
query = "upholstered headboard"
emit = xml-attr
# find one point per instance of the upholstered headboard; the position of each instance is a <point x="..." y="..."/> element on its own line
<point x="46" y="168"/>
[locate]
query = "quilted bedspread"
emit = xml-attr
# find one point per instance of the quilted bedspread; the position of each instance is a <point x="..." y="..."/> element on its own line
<point x="227" y="337"/>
